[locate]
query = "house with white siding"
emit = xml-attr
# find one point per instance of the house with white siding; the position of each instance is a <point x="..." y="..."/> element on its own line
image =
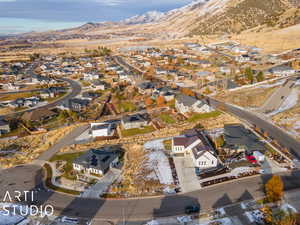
<point x="197" y="147"/>
<point x="187" y="104"/>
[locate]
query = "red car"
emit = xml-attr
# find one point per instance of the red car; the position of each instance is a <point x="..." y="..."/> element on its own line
<point x="251" y="159"/>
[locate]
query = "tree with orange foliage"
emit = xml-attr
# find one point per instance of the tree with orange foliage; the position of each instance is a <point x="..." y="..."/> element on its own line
<point x="148" y="101"/>
<point x="188" y="92"/>
<point x="160" y="101"/>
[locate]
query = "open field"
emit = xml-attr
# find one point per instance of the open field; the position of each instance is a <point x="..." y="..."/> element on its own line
<point x="290" y="120"/>
<point x="252" y="97"/>
<point x="30" y="147"/>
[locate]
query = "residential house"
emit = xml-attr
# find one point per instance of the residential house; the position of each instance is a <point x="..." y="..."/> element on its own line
<point x="97" y="161"/>
<point x="239" y="139"/>
<point x="47" y="94"/>
<point x="135" y="121"/>
<point x="37" y="79"/>
<point x="203" y="158"/>
<point x="38" y="115"/>
<point x="167" y="92"/>
<point x="89" y="95"/>
<point x="282" y="70"/>
<point x="11" y="86"/>
<point x="187" y="104"/>
<point x="4" y="127"/>
<point x="98" y="85"/>
<point x="160" y="71"/>
<point x="91" y="76"/>
<point x="146" y="88"/>
<point x="195" y="144"/>
<point x="101" y="130"/>
<point x="76" y="104"/>
<point x="243" y="58"/>
<point x="224" y="69"/>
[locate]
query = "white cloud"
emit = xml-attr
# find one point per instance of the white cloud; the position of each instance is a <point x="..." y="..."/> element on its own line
<point x="109" y="2"/>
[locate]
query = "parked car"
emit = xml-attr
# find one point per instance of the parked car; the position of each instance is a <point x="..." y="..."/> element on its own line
<point x="192" y="209"/>
<point x="251" y="159"/>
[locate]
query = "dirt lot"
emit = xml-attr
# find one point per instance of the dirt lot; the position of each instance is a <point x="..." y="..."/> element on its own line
<point x="30" y="147"/>
<point x="250" y="97"/>
<point x="290" y="120"/>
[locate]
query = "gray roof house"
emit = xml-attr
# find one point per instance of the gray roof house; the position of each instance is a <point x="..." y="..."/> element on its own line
<point x="237" y="137"/>
<point x="187" y="104"/>
<point x="135" y="121"/>
<point x="97" y="161"/>
<point x="4" y="127"/>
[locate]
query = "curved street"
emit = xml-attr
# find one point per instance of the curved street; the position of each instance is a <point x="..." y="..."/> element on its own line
<point x="75" y="90"/>
<point x="29" y="177"/>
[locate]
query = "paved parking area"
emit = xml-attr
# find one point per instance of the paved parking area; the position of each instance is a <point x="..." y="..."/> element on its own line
<point x="186" y="174"/>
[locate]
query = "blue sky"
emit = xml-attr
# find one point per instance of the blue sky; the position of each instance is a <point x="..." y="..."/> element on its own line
<point x="70" y="12"/>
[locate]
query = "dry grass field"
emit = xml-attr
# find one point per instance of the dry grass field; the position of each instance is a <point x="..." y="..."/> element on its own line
<point x="30" y="147"/>
<point x="252" y="97"/>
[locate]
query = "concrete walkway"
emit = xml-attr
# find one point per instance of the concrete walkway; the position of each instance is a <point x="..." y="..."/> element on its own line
<point x="185" y="169"/>
<point x="102" y="185"/>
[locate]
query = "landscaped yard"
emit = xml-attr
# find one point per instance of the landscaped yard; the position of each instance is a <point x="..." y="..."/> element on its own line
<point x="135" y="131"/>
<point x="200" y="116"/>
<point x="52" y="186"/>
<point x="68" y="168"/>
<point x="125" y="106"/>
<point x="167" y="118"/>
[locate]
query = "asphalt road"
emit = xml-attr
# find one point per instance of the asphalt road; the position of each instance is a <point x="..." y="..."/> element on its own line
<point x="29" y="178"/>
<point x="76" y="89"/>
<point x="65" y="141"/>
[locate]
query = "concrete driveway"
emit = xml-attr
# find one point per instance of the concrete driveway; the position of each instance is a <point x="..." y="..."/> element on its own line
<point x="102" y="185"/>
<point x="186" y="174"/>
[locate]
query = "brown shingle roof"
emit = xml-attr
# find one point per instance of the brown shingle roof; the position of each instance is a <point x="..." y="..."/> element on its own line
<point x="38" y="114"/>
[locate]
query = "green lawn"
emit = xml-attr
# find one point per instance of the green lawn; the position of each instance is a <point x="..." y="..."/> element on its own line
<point x="201" y="116"/>
<point x="135" y="131"/>
<point x="167" y="118"/>
<point x="52" y="186"/>
<point x="126" y="106"/>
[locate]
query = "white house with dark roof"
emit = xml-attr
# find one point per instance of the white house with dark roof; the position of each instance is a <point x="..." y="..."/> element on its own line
<point x="101" y="130"/>
<point x="197" y="146"/>
<point x="97" y="161"/>
<point x="187" y="104"/>
<point x="203" y="157"/>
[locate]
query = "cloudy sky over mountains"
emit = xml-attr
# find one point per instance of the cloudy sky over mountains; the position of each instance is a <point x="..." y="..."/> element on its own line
<point x="83" y="10"/>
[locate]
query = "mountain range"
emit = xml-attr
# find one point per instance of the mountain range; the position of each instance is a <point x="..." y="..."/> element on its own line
<point x="201" y="17"/>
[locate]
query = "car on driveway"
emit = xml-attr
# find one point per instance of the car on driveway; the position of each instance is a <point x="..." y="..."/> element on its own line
<point x="192" y="209"/>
